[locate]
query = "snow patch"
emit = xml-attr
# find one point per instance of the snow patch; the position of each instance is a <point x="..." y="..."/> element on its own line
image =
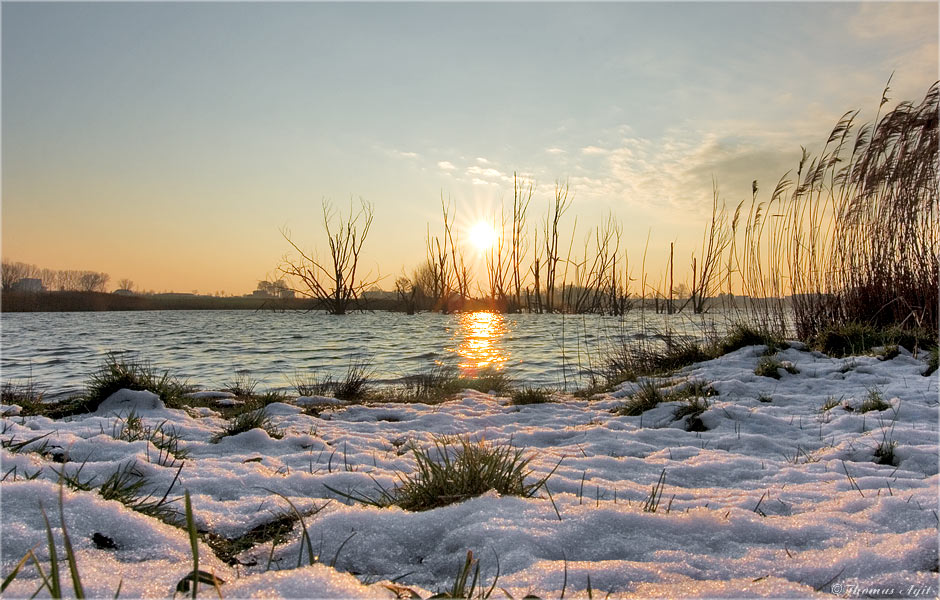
<point x="125" y="401"/>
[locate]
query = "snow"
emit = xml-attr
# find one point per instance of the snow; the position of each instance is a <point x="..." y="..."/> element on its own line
<point x="320" y="401"/>
<point x="211" y="395"/>
<point x="127" y="401"/>
<point x="777" y="497"/>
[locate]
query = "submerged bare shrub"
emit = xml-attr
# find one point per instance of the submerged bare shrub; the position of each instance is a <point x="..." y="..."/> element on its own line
<point x="334" y="283"/>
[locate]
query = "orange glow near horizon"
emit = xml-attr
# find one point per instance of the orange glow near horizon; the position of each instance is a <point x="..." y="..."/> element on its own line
<point x="479" y="341"/>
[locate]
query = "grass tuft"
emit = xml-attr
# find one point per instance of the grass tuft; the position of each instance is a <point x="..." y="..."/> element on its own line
<point x="454" y="470"/>
<point x="830" y="403"/>
<point x="242" y="385"/>
<point x="460" y="587"/>
<point x="311" y="384"/>
<point x="530" y="396"/>
<point x="692" y="409"/>
<point x="933" y="360"/>
<point x="649" y="395"/>
<point x="644" y="399"/>
<point x="884" y="453"/>
<point x="856" y="338"/>
<point x="656" y="494"/>
<point x="276" y="531"/>
<point x="117" y="373"/>
<point x="246" y="421"/>
<point x="874" y="401"/>
<point x="27" y="395"/>
<point x="487" y="380"/>
<point x="741" y="335"/>
<point x="639" y="358"/>
<point x="768" y="366"/>
<point x="355" y="384"/>
<point x="443" y="382"/>
<point x="164" y="437"/>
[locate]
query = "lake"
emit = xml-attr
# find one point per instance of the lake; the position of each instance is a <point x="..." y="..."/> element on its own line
<point x="208" y="348"/>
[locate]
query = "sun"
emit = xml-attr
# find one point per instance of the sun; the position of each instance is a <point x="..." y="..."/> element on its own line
<point x="482" y="235"/>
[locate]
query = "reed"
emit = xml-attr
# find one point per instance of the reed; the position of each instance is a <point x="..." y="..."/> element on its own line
<point x="853" y="237"/>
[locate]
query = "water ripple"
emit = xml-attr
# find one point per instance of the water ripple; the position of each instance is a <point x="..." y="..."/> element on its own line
<point x="60" y="350"/>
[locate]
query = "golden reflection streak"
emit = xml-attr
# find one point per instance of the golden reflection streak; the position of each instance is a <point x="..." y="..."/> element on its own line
<point x="479" y="347"/>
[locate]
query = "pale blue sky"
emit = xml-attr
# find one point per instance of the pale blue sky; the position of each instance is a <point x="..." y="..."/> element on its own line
<point x="169" y="142"/>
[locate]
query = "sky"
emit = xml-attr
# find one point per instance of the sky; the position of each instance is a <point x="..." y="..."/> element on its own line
<point x="173" y="143"/>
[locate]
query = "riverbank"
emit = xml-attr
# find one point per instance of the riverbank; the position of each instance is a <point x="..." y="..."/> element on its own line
<point x="762" y="472"/>
<point x="13" y="302"/>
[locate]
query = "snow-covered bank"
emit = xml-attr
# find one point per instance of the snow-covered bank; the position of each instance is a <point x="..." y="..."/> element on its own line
<point x="781" y="495"/>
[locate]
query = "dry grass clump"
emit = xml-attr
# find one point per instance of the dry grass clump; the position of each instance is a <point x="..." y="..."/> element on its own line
<point x="768" y="366"/>
<point x="454" y="470"/>
<point x="443" y="382"/>
<point x="644" y="357"/>
<point x="873" y="401"/>
<point x="859" y="338"/>
<point x="933" y="361"/>
<point x="693" y="409"/>
<point x="28" y="395"/>
<point x="650" y="395"/>
<point x="119" y="373"/>
<point x="741" y="334"/>
<point x="356" y="382"/>
<point x="246" y="421"/>
<point x="242" y="385"/>
<point x="530" y="396"/>
<point x="644" y="399"/>
<point x="854" y="237"/>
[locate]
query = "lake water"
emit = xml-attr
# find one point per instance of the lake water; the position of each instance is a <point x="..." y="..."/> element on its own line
<point x="207" y="348"/>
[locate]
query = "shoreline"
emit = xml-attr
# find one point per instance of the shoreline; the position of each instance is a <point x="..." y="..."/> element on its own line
<point x="786" y="482"/>
<point x="17" y="302"/>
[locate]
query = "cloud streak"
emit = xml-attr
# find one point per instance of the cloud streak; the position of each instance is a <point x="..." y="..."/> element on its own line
<point x="676" y="172"/>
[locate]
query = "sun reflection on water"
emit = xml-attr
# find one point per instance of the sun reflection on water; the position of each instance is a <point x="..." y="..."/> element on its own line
<point x="479" y="338"/>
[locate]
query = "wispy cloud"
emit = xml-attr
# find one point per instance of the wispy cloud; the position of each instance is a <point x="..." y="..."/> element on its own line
<point x="446" y="165"/>
<point x="483" y="161"/>
<point x="487" y="173"/>
<point x="676" y="171"/>
<point x="593" y="150"/>
<point x="554" y="150"/>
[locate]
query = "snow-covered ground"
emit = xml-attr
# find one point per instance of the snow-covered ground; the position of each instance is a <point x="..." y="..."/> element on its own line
<point x="778" y="497"/>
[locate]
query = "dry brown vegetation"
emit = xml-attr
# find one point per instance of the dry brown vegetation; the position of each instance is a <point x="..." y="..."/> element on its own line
<point x="850" y="237"/>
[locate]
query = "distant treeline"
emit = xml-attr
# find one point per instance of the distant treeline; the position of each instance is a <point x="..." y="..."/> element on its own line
<point x="98" y="301"/>
<point x="12" y="301"/>
<point x="64" y="280"/>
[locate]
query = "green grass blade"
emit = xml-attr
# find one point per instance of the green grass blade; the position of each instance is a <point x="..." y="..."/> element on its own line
<point x="42" y="575"/>
<point x="564" y="584"/>
<point x="338" y="550"/>
<point x="55" y="589"/>
<point x="193" y="541"/>
<point x="489" y="592"/>
<point x="16" y="570"/>
<point x="69" y="552"/>
<point x="305" y="537"/>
